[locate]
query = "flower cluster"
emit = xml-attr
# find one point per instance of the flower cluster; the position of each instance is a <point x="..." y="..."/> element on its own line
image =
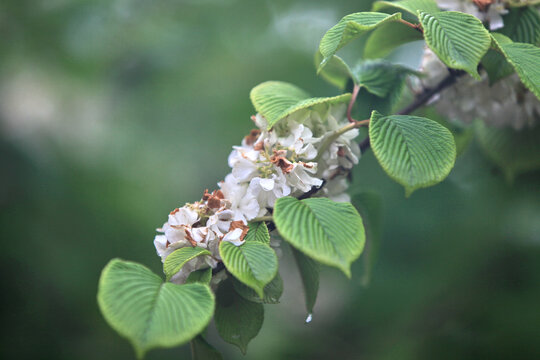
<point x="506" y="103"/>
<point x="289" y="159"/>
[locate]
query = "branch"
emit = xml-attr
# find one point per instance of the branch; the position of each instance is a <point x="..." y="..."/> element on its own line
<point x="427" y="94"/>
<point x="422" y="99"/>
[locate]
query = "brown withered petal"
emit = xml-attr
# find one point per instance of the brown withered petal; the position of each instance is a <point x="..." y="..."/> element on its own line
<point x="483" y="5"/>
<point x="190" y="238"/>
<point x="206" y="195"/>
<point x="218" y="194"/>
<point x="252" y="137"/>
<point x="239" y="224"/>
<point x="214" y="202"/>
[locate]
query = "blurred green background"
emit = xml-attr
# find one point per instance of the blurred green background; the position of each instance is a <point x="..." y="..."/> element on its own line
<point x="114" y="112"/>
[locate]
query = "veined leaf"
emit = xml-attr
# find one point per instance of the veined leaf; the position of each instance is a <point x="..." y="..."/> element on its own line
<point x="309" y="273"/>
<point x="459" y="40"/>
<point x="514" y="152"/>
<point x="237" y="319"/>
<point x="387" y="37"/>
<point x="253" y="263"/>
<point x="384" y="83"/>
<point x="202" y="350"/>
<point x="525" y="58"/>
<point x="522" y="25"/>
<point x="202" y="276"/>
<point x="327" y="231"/>
<point x="272" y="291"/>
<point x="414" y="151"/>
<point x="258" y="231"/>
<point x="494" y="61"/>
<point x="381" y="77"/>
<point x="336" y="71"/>
<point x="139" y="306"/>
<point x="276" y="100"/>
<point x="179" y="258"/>
<point x="349" y="28"/>
<point x="410" y="6"/>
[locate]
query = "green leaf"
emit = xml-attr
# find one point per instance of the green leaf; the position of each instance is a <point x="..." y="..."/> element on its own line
<point x="272" y="291"/>
<point x="258" y="231"/>
<point x="253" y="263"/>
<point x="525" y="59"/>
<point x="179" y="258"/>
<point x="414" y="151"/>
<point x="514" y="152"/>
<point x="309" y="273"/>
<point x="336" y="71"/>
<point x="139" y="306"/>
<point x="384" y="83"/>
<point x="276" y="100"/>
<point x="202" y="276"/>
<point x="459" y="40"/>
<point x="494" y="61"/>
<point x="237" y="319"/>
<point x="202" y="350"/>
<point x="522" y="25"/>
<point x="387" y="37"/>
<point x="327" y="231"/>
<point x="349" y="28"/>
<point x="463" y="134"/>
<point x="369" y="206"/>
<point x="381" y="77"/>
<point x="410" y="6"/>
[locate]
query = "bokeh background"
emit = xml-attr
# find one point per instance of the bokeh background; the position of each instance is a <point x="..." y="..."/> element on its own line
<point x="114" y="112"/>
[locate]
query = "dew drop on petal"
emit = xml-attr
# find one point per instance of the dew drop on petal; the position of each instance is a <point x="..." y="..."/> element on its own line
<point x="309" y="318"/>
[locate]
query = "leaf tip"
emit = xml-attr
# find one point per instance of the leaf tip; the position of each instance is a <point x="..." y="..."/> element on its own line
<point x="346" y="268"/>
<point x="409" y="191"/>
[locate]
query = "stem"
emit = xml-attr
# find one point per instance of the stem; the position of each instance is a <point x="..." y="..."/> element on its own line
<point x="355" y="91"/>
<point x="411" y="25"/>
<point x="337" y="133"/>
<point x="427" y="94"/>
<point x="262" y="218"/>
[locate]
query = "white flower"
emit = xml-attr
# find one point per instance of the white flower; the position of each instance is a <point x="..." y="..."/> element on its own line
<point x="300" y="179"/>
<point x="183" y="216"/>
<point x="268" y="190"/>
<point x="234" y="237"/>
<point x="243" y="161"/>
<point x="243" y="204"/>
<point x="220" y="222"/>
<point x="300" y="141"/>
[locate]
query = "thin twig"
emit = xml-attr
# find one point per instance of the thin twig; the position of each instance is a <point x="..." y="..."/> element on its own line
<point x="355" y="91"/>
<point x="411" y="25"/>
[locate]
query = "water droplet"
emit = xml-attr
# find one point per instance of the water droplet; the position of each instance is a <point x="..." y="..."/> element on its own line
<point x="309" y="318"/>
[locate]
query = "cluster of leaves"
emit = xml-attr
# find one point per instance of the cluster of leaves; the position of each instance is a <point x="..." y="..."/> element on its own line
<point x="151" y="313"/>
<point x="414" y="151"/>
